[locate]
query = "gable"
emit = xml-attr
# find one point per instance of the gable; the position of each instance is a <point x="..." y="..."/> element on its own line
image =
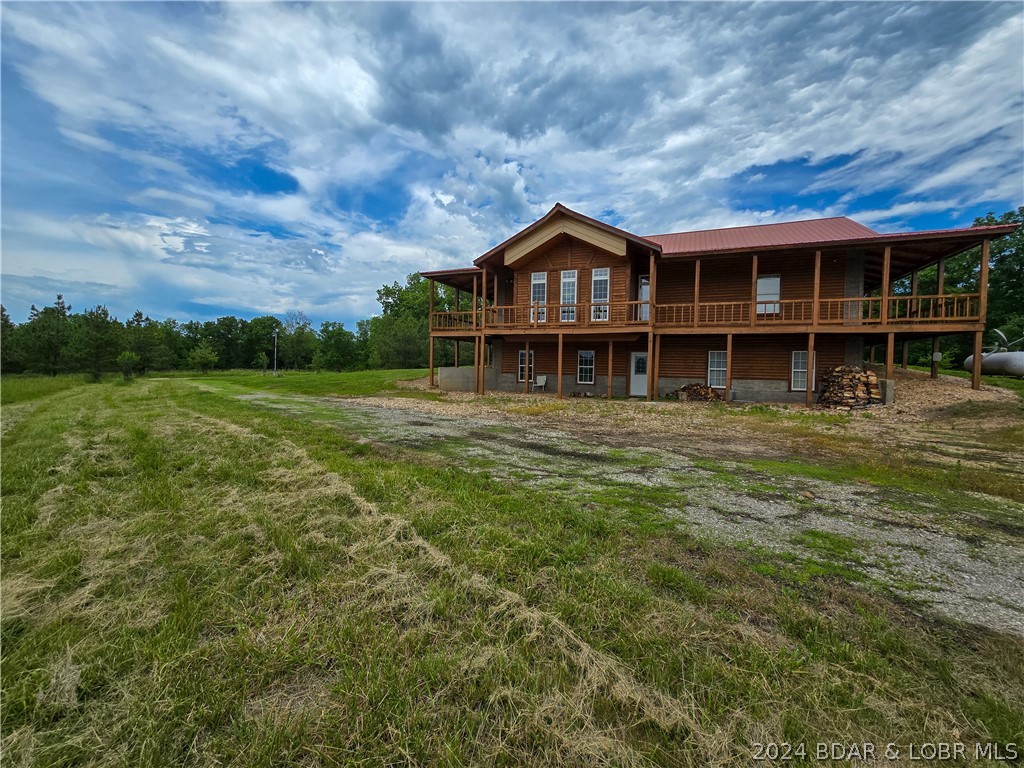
<point x="520" y="251"/>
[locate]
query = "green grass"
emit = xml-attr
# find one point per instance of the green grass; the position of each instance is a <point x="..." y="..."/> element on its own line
<point x="20" y="388"/>
<point x="324" y="384"/>
<point x="189" y="579"/>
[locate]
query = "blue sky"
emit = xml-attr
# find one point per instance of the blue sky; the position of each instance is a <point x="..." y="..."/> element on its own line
<point x="195" y="160"/>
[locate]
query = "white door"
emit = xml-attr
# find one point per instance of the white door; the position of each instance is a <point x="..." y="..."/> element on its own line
<point x="638" y="374"/>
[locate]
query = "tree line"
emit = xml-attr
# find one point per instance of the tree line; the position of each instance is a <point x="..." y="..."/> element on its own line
<point x="56" y="340"/>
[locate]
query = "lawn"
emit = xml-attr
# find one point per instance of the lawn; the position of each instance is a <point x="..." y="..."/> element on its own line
<point x="191" y="579"/>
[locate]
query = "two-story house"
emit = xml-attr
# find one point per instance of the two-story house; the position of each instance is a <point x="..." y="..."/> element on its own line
<point x="759" y="312"/>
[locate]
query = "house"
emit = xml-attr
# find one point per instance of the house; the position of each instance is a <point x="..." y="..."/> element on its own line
<point x="759" y="312"/>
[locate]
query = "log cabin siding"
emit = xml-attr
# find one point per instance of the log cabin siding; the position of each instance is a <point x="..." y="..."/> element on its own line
<point x="571" y="254"/>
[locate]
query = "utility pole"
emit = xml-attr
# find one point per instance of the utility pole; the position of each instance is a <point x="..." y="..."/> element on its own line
<point x="275" y="353"/>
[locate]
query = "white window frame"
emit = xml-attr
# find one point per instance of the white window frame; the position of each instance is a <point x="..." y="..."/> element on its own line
<point x="793" y="371"/>
<point x="567" y="304"/>
<point x="599" y="309"/>
<point x="581" y="368"/>
<point x="522" y="360"/>
<point x="540" y="311"/>
<point x="769" y="294"/>
<point x="723" y="369"/>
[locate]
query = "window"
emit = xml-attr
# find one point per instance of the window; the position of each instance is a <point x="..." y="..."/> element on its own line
<point x="716" y="370"/>
<point x="585" y="367"/>
<point x="569" y="296"/>
<point x="538" y="296"/>
<point x="769" y="292"/>
<point x="600" y="280"/>
<point x="798" y="371"/>
<point x="522" y="365"/>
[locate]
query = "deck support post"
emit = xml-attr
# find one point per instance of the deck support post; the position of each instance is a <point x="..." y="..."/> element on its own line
<point x="934" y="373"/>
<point x="657" y="365"/>
<point x="610" y="369"/>
<point x="905" y="348"/>
<point x="457" y="345"/>
<point x="890" y="343"/>
<point x="430" y="329"/>
<point x="810" y="370"/>
<point x="483" y="365"/>
<point x="474" y="303"/>
<point x="560" y="366"/>
<point x="526" y="371"/>
<point x="652" y="287"/>
<point x="976" y="367"/>
<point x="940" y="287"/>
<point x="871" y="354"/>
<point x="728" y="367"/>
<point x="650" y="370"/>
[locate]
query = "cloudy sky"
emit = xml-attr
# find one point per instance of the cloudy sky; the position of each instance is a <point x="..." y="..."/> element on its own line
<point x="195" y="160"/>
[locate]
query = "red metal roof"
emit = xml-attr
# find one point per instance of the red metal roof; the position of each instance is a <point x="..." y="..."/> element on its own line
<point x="762" y="236"/>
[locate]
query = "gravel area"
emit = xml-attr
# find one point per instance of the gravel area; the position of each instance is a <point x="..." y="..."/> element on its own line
<point x="966" y="563"/>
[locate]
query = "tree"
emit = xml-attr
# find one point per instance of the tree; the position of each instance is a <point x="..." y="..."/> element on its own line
<point x="202" y="357"/>
<point x="128" y="361"/>
<point x="297" y="342"/>
<point x="95" y="339"/>
<point x="44" y="338"/>
<point x="261" y="361"/>
<point x="9" y="358"/>
<point x="337" y="350"/>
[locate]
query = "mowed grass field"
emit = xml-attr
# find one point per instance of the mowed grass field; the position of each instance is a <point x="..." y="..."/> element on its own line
<point x="189" y="579"/>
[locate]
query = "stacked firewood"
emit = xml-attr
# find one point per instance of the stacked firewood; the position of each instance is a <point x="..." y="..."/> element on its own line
<point x="698" y="392"/>
<point x="848" y="387"/>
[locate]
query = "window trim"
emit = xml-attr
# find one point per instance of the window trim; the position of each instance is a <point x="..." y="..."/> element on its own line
<point x="600" y="309"/>
<point x="519" y="369"/>
<point x="769" y="304"/>
<point x="542" y="310"/>
<point x="579" y="366"/>
<point x="810" y="376"/>
<point x="567" y="309"/>
<point x="724" y="369"/>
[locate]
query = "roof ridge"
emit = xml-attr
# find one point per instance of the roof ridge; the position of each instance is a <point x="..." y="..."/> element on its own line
<point x="757" y="226"/>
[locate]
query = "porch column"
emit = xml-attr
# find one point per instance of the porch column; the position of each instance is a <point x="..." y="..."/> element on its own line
<point x="651" y="287"/>
<point x="816" y="296"/>
<point x="650" y="359"/>
<point x="610" y="343"/>
<point x="526" y="371"/>
<point x="483" y="364"/>
<point x="728" y="367"/>
<point x="976" y="367"/>
<point x="560" y="366"/>
<point x="495" y="299"/>
<point x="696" y="292"/>
<point x="883" y="312"/>
<point x="657" y="364"/>
<point x="430" y="314"/>
<point x="474" y="302"/>
<point x="430" y="353"/>
<point x="753" y="292"/>
<point x="905" y="346"/>
<point x="940" y="287"/>
<point x="871" y="354"/>
<point x="457" y="345"/>
<point x="890" y="342"/>
<point x="483" y="299"/>
<point x="810" y="370"/>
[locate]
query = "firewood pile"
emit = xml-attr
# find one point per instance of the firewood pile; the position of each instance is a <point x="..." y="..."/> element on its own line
<point x="698" y="392"/>
<point x="848" y="387"/>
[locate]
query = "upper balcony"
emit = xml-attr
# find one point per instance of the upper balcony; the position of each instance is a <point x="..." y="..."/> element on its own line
<point x="904" y="312"/>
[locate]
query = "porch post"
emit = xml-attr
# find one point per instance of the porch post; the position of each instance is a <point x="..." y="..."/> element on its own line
<point x="883" y="312"/>
<point x="934" y="373"/>
<point x="810" y="370"/>
<point x="652" y="287"/>
<point x="976" y="367"/>
<point x="657" y="364"/>
<point x="526" y="371"/>
<point x="610" y="342"/>
<point x="696" y="292"/>
<point x="483" y="363"/>
<point x="940" y="287"/>
<point x="983" y="282"/>
<point x="728" y="367"/>
<point x="430" y="352"/>
<point x="457" y="345"/>
<point x="890" y="342"/>
<point x="650" y="359"/>
<point x="483" y="299"/>
<point x="560" y="366"/>
<point x="817" y="288"/>
<point x="753" y="292"/>
<point x="495" y="299"/>
<point x="871" y="354"/>
<point x="905" y="347"/>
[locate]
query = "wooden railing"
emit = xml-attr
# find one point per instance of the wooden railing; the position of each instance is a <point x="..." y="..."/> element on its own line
<point x="866" y="310"/>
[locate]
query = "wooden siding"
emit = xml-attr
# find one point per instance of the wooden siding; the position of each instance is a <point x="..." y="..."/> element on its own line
<point x="572" y="254"/>
<point x="586" y="233"/>
<point x="545" y="356"/>
<point x="763" y="357"/>
<point x="731" y="278"/>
